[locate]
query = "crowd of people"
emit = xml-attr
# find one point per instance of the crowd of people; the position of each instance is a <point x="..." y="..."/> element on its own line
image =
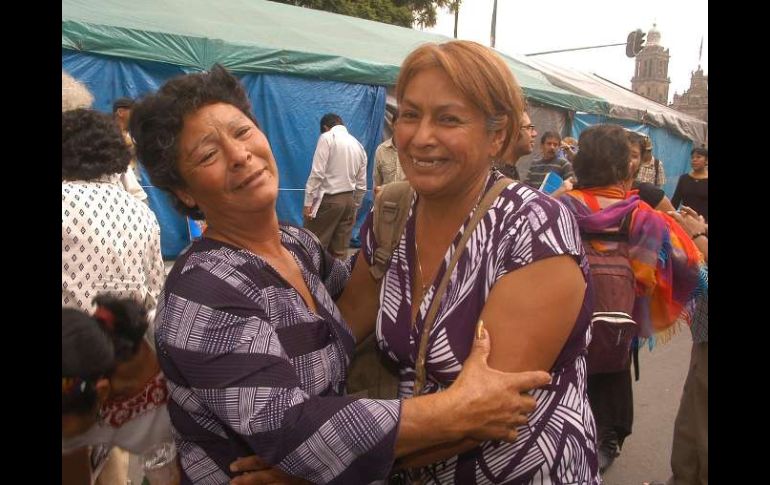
<point x="490" y="302"/>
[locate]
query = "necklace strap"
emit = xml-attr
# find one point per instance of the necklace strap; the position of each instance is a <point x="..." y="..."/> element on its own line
<point x="481" y="209"/>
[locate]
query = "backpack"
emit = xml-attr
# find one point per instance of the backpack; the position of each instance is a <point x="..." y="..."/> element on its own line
<point x="613" y="328"/>
<point x="370" y="373"/>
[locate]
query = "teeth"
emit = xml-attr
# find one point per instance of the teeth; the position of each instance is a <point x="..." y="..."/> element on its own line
<point x="424" y="163"/>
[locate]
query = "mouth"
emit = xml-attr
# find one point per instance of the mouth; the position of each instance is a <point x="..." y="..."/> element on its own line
<point x="427" y="162"/>
<point x="248" y="180"/>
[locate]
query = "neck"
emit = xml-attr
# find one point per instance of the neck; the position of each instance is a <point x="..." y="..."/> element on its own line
<point x="446" y="210"/>
<point x="259" y="234"/>
<point x="700" y="173"/>
<point x="130" y="377"/>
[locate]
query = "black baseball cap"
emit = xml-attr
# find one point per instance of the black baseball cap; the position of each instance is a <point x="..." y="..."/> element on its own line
<point x="122" y="103"/>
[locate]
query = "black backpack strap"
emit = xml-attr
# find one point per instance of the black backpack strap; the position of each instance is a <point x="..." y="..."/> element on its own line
<point x="621" y="235"/>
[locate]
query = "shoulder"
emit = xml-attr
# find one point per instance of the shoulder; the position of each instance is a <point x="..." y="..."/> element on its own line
<point x="206" y="263"/>
<point x="305" y="238"/>
<point x="521" y="201"/>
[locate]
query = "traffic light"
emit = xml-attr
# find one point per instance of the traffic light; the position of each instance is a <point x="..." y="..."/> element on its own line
<point x="635" y="43"/>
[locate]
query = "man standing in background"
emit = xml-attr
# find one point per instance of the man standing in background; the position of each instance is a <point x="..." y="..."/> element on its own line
<point x="338" y="172"/>
<point x="387" y="169"/>
<point x="523" y="144"/>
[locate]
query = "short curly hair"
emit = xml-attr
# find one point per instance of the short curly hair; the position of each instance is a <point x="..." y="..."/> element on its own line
<point x="157" y="121"/>
<point x="603" y="156"/>
<point x="92" y="145"/>
<point x="74" y="94"/>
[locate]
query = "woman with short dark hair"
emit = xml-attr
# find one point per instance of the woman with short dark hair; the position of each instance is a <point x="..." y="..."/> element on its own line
<point x="692" y="189"/>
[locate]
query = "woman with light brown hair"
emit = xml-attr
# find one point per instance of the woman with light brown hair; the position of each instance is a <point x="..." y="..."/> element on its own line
<point x="523" y="271"/>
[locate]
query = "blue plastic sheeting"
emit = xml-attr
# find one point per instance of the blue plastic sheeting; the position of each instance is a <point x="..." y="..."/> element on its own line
<point x="671" y="149"/>
<point x="288" y="109"/>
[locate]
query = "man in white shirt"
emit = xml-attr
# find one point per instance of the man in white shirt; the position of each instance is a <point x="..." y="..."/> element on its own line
<point x="337" y="174"/>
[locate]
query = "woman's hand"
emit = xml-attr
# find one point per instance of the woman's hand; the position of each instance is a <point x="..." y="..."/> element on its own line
<point x="690" y="221"/>
<point x="491" y="404"/>
<point x="257" y="472"/>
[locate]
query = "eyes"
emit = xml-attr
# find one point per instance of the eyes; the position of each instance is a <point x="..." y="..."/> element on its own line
<point x="446" y="119"/>
<point x="210" y="149"/>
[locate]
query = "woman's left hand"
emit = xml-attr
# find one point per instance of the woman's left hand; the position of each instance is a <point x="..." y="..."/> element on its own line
<point x="257" y="472"/>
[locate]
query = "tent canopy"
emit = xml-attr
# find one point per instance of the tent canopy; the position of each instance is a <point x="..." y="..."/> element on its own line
<point x="623" y="103"/>
<point x="257" y="36"/>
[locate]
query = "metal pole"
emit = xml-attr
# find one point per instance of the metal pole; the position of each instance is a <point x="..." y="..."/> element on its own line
<point x="494" y="25"/>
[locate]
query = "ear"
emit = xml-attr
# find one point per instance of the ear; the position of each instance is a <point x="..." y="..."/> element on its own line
<point x="102" y="388"/>
<point x="498" y="138"/>
<point x="185" y="197"/>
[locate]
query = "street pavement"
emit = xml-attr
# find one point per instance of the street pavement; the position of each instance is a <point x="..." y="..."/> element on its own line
<point x="646" y="453"/>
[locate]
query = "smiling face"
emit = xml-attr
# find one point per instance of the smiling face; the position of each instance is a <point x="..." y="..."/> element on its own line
<point x="443" y="142"/>
<point x="226" y="164"/>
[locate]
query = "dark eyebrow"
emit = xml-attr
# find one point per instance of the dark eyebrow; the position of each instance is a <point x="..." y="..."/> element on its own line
<point x="203" y="140"/>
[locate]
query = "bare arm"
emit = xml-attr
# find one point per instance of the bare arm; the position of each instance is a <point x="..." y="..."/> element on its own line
<point x="547" y="295"/>
<point x="482" y="404"/>
<point x="360" y="301"/>
<point x="665" y="205"/>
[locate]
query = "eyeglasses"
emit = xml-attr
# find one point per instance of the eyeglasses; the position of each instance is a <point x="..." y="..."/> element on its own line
<point x="529" y="128"/>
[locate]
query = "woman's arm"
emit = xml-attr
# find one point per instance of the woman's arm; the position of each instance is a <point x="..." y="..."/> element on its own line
<point x="677" y="198"/>
<point x="482" y="404"/>
<point x="360" y="300"/>
<point x="664" y="205"/>
<point x="546" y="296"/>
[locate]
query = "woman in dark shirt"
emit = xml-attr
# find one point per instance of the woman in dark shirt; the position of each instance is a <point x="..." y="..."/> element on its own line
<point x="692" y="189"/>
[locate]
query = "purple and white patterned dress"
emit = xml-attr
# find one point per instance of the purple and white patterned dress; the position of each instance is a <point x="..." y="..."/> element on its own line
<point x="252" y="370"/>
<point x="558" y="445"/>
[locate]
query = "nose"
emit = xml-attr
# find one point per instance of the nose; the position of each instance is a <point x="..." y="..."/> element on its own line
<point x="424" y="134"/>
<point x="237" y="153"/>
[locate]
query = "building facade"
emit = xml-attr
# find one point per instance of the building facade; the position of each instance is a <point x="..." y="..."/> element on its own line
<point x="651" y="75"/>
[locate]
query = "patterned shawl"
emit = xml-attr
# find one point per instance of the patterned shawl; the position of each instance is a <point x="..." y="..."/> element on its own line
<point x="668" y="267"/>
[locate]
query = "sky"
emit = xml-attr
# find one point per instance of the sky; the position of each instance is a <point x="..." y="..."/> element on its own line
<point x="527" y="27"/>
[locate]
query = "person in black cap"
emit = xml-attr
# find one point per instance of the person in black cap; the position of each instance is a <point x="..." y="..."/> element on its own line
<point x="121" y="111"/>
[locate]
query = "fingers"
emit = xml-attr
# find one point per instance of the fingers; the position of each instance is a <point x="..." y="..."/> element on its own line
<point x="480" y="348"/>
<point x="526" y="381"/>
<point x="248" y="464"/>
<point x="264" y="477"/>
<point x="689" y="211"/>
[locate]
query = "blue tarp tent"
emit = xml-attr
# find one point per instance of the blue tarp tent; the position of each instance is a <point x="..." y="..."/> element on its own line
<point x="296" y="63"/>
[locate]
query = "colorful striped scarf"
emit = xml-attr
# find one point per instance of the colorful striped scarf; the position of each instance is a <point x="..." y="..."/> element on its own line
<point x="668" y="267"/>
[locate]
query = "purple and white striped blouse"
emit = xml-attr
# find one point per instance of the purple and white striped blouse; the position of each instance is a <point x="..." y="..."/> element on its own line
<point x="558" y="444"/>
<point x="252" y="370"/>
